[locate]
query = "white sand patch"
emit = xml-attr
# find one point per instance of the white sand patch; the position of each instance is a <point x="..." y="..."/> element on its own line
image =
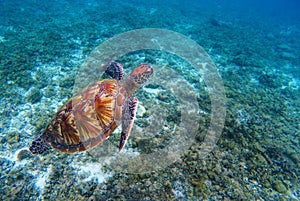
<point x="95" y="172"/>
<point x="294" y="84"/>
<point x="92" y="170"/>
<point x="41" y="179"/>
<point x="153" y="91"/>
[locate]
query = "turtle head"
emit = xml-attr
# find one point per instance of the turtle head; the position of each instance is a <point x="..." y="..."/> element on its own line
<point x="141" y="74"/>
<point x="38" y="146"/>
<point x="137" y="77"/>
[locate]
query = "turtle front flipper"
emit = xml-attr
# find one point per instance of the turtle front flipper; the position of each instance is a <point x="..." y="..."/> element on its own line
<point x="128" y="116"/>
<point x="114" y="70"/>
<point x="38" y="146"/>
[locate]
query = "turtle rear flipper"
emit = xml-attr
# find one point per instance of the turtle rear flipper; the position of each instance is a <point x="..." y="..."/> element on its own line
<point x="38" y="146"/>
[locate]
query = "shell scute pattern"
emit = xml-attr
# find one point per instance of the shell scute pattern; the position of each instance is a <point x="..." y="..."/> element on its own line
<point x="86" y="119"/>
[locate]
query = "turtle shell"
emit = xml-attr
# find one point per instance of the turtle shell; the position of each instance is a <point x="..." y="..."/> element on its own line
<point x="86" y="120"/>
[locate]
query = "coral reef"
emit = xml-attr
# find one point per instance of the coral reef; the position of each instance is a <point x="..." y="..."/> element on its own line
<point x="42" y="46"/>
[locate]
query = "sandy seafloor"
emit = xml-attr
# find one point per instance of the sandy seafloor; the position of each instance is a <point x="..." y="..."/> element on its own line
<point x="256" y="51"/>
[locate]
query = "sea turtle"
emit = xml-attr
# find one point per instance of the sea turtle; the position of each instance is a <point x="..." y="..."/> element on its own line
<point x="91" y="116"/>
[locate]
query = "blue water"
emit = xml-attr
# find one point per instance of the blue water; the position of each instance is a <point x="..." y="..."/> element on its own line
<point x="255" y="50"/>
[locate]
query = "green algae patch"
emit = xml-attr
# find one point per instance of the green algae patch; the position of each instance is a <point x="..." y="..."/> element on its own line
<point x="34" y="95"/>
<point x="12" y="137"/>
<point x="279" y="187"/>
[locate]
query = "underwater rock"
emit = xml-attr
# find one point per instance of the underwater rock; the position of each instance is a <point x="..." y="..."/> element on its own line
<point x="34" y="95"/>
<point x="67" y="83"/>
<point x="280" y="187"/>
<point x="40" y="79"/>
<point x="288" y="55"/>
<point x="218" y="23"/>
<point x="50" y="91"/>
<point x="164" y="96"/>
<point x="247" y="60"/>
<point x="284" y="47"/>
<point x="23" y="154"/>
<point x="86" y="189"/>
<point x="5" y="165"/>
<point x="12" y="138"/>
<point x="269" y="80"/>
<point x="22" y="79"/>
<point x="142" y="123"/>
<point x="270" y="36"/>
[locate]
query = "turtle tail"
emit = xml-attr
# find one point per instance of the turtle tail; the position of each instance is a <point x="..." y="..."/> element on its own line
<point x="38" y="146"/>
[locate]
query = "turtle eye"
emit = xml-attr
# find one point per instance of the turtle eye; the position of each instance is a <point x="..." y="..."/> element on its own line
<point x="150" y="69"/>
<point x="146" y="68"/>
